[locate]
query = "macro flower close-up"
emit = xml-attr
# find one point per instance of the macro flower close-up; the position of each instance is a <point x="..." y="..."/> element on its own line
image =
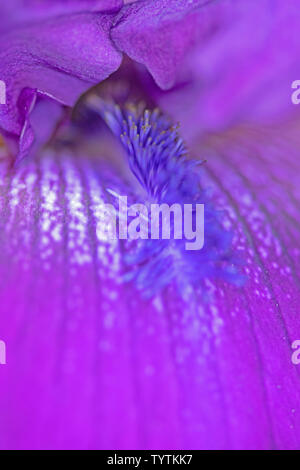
<point x="150" y="240"/>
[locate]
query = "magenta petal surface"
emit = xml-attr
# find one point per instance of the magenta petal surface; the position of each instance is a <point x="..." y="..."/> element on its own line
<point x="92" y="365"/>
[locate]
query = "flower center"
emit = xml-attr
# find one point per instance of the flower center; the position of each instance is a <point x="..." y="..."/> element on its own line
<point x="158" y="158"/>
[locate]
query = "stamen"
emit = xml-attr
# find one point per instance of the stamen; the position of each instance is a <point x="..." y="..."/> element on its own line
<point x="158" y="158"/>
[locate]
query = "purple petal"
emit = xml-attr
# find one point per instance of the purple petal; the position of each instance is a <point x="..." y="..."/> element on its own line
<point x="55" y="59"/>
<point x="206" y="52"/>
<point x="21" y="11"/>
<point x="158" y="34"/>
<point x="90" y="364"/>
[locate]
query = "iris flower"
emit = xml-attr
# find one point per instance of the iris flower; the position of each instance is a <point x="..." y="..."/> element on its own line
<point x="117" y="346"/>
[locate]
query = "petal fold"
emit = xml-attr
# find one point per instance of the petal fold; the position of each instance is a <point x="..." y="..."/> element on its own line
<point x="205" y="52"/>
<point x="158" y="34"/>
<point x="57" y="58"/>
